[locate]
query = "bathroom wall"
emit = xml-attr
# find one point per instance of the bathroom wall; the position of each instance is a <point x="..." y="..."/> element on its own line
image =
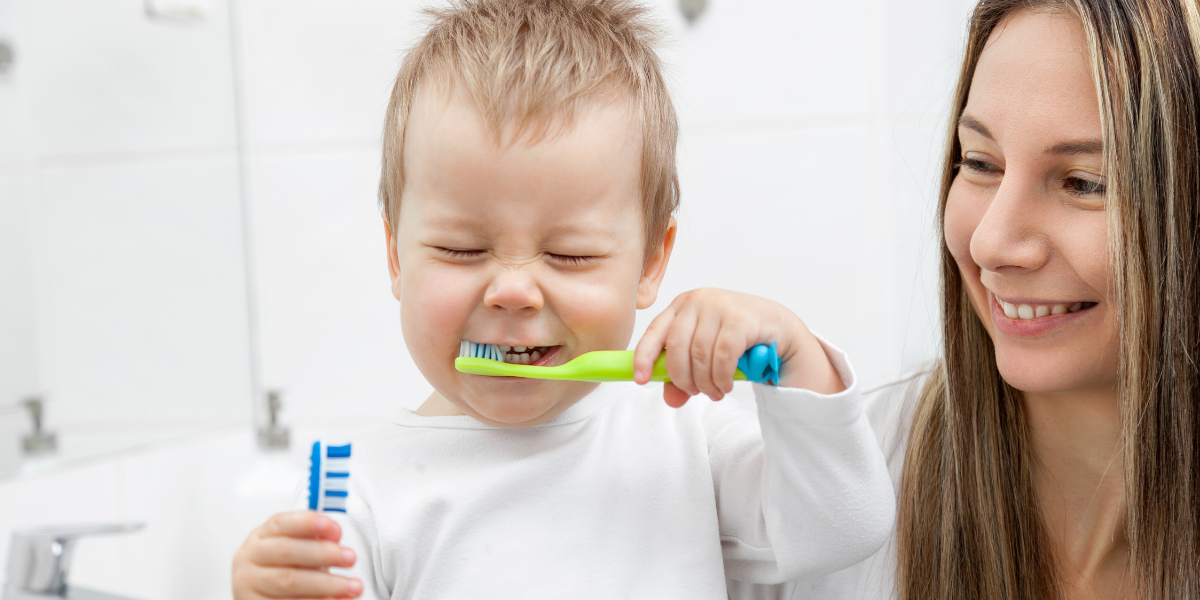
<point x="124" y="298"/>
<point x="810" y="135"/>
<point x="808" y="130"/>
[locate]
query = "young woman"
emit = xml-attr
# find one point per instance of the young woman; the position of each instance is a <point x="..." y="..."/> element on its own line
<point x="1054" y="450"/>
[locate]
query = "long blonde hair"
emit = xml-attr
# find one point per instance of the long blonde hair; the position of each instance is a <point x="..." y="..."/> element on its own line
<point x="969" y="522"/>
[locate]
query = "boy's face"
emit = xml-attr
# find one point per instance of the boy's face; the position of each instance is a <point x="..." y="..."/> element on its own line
<point x="519" y="244"/>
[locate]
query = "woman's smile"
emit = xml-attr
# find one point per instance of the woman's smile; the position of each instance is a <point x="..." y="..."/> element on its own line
<point x="1030" y="318"/>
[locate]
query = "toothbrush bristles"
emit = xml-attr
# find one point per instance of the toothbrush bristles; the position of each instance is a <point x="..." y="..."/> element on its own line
<point x="473" y="350"/>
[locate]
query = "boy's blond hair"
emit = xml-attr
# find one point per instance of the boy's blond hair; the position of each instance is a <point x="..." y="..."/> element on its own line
<point x="532" y="64"/>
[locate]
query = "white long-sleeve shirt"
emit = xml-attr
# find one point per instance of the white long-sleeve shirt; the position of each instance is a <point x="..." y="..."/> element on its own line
<point x="890" y="409"/>
<point x="620" y="496"/>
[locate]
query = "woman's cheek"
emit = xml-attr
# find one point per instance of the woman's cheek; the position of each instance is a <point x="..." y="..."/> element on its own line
<point x="960" y="221"/>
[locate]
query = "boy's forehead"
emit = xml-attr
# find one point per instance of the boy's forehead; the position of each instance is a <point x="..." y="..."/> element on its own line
<point x="444" y="104"/>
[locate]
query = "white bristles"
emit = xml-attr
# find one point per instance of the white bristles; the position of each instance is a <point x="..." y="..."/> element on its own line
<point x="334" y="504"/>
<point x="473" y="350"/>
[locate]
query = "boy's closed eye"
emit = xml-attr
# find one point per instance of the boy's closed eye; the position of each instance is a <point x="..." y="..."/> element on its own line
<point x="471" y="255"/>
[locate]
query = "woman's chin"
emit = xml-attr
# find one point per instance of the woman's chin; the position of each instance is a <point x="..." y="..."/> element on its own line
<point x="1035" y="374"/>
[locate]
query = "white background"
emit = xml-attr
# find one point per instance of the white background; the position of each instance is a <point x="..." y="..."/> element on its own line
<point x="811" y="132"/>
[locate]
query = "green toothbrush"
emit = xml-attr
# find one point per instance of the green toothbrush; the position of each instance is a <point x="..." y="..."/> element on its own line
<point x="759" y="364"/>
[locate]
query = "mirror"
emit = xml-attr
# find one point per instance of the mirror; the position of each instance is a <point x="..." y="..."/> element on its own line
<point x="122" y="302"/>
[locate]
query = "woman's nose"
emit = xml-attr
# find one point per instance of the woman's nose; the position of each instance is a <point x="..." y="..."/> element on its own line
<point x="514" y="290"/>
<point x="1009" y="235"/>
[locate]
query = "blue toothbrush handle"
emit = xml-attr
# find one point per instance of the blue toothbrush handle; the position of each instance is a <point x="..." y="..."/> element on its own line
<point x="760" y="364"/>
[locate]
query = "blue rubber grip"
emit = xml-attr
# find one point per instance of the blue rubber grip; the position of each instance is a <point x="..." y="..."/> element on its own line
<point x="314" y="471"/>
<point x="761" y="364"/>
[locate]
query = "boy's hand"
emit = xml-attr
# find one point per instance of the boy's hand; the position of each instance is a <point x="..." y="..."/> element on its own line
<point x="705" y="331"/>
<point x="287" y="557"/>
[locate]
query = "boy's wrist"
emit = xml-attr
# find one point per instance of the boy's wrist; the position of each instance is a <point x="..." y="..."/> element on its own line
<point x="808" y="366"/>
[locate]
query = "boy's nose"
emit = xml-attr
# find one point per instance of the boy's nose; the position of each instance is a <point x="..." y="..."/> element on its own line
<point x="514" y="291"/>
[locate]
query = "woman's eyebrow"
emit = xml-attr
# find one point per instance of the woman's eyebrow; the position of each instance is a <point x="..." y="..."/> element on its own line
<point x="974" y="125"/>
<point x="1076" y="147"/>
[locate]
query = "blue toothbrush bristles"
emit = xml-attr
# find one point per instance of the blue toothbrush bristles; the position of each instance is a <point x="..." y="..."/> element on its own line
<point x="473" y="350"/>
<point x="328" y="477"/>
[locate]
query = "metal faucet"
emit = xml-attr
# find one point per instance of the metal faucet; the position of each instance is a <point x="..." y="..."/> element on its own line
<point x="38" y="441"/>
<point x="39" y="560"/>
<point x="273" y="436"/>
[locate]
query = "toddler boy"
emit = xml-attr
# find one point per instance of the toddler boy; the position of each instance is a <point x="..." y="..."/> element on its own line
<point x="528" y="189"/>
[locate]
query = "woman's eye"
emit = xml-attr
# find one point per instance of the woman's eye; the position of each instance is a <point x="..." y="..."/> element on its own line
<point x="459" y="253"/>
<point x="1084" y="187"/>
<point x="978" y="166"/>
<point x="570" y="259"/>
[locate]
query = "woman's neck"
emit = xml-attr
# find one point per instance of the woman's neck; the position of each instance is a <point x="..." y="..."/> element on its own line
<point x="1078" y="472"/>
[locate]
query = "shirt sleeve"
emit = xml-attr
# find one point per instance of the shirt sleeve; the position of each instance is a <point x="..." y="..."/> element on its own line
<point x="805" y="493"/>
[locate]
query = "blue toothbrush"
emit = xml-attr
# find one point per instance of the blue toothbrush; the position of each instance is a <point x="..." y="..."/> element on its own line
<point x="328" y="477"/>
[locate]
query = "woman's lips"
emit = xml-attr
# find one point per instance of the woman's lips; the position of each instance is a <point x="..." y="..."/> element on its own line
<point x="1044" y="319"/>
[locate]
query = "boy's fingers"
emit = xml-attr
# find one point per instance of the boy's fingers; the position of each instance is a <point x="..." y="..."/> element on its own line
<point x="704" y="341"/>
<point x="305" y="583"/>
<point x="729" y="348"/>
<point x="280" y="551"/>
<point x="679" y="350"/>
<point x="651" y="345"/>
<point x="302" y="524"/>
<point x="674" y="396"/>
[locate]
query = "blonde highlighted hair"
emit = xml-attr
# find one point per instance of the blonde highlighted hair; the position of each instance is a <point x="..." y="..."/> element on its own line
<point x="969" y="522"/>
<point x="532" y="64"/>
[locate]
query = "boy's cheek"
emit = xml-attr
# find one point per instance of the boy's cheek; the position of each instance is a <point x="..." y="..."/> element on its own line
<point x="601" y="312"/>
<point x="435" y="305"/>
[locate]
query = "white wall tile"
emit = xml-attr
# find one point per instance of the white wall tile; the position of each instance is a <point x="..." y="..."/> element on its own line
<point x="141" y="292"/>
<point x="780" y="215"/>
<point x="769" y="60"/>
<point x="105" y="78"/>
<point x="14" y="121"/>
<point x="320" y="71"/>
<point x="18" y="331"/>
<point x="331" y="327"/>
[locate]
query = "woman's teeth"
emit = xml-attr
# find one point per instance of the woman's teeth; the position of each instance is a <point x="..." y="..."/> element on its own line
<point x="1025" y="312"/>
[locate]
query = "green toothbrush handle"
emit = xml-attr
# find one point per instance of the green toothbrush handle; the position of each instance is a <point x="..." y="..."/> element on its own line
<point x="617" y="365"/>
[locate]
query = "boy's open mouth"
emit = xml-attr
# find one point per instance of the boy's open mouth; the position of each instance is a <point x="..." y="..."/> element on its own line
<point x="526" y="355"/>
<point x="517" y="355"/>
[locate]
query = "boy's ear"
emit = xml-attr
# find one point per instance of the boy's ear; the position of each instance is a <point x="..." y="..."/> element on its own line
<point x="656" y="268"/>
<point x="393" y="258"/>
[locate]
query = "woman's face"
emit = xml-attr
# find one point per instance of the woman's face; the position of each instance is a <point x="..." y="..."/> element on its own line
<point x="1025" y="216"/>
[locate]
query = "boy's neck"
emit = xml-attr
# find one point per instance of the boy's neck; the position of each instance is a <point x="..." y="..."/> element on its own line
<point x="437" y="406"/>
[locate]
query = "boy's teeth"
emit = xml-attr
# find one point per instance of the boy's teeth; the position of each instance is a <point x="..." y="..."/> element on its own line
<point x="1076" y="306"/>
<point x="505" y="349"/>
<point x="1041" y="311"/>
<point x="1059" y="309"/>
<point x="535" y="356"/>
<point x="1025" y="311"/>
<point x="518" y="348"/>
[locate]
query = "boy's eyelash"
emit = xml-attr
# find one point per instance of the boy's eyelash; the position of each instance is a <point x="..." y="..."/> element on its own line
<point x="572" y="260"/>
<point x="455" y="253"/>
<point x="464" y="254"/>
